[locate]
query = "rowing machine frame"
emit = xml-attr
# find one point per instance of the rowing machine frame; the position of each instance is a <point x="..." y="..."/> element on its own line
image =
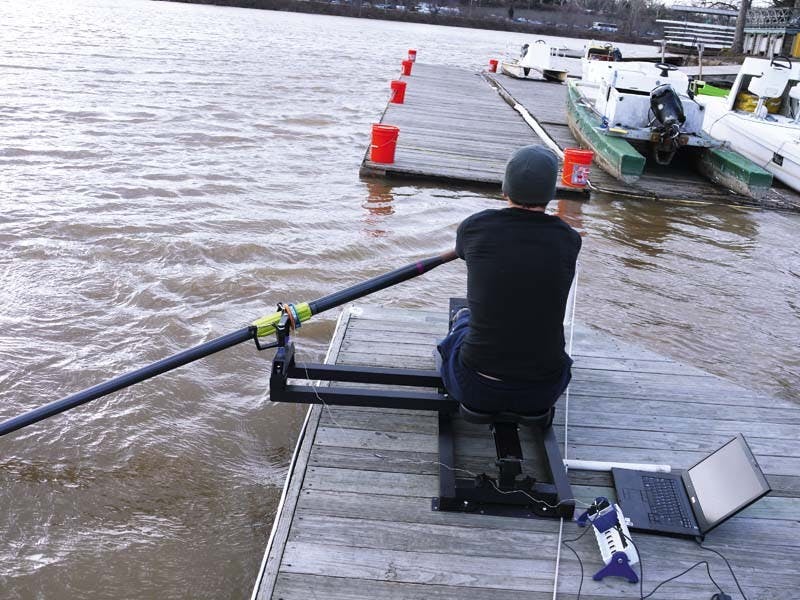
<point x="507" y="494"/>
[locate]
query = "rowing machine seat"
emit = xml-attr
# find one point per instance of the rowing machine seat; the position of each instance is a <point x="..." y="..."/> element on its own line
<point x="540" y="420"/>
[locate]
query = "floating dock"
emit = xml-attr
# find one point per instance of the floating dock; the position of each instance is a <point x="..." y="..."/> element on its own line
<point x="356" y="520"/>
<point x="460" y="126"/>
<point x="453" y="127"/>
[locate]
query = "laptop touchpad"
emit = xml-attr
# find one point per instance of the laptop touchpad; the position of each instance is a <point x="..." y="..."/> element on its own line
<point x="633" y="494"/>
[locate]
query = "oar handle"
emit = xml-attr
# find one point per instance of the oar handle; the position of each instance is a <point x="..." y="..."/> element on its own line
<point x="261" y="327"/>
<point x="379" y="283"/>
<point x="266" y="325"/>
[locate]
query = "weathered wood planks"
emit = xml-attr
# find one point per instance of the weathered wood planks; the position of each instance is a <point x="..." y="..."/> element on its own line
<point x="357" y="521"/>
<point x="453" y="126"/>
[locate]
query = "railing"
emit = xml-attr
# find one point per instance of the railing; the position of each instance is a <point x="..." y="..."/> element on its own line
<point x="773" y="18"/>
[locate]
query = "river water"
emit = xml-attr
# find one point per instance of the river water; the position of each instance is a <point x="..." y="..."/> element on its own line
<point x="167" y="173"/>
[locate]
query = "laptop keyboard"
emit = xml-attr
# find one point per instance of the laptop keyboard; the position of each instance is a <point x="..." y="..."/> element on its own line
<point x="665" y="507"/>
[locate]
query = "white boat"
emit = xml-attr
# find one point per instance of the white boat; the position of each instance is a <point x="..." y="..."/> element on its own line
<point x="623" y="109"/>
<point x="533" y="58"/>
<point x="602" y="51"/>
<point x="646" y="103"/>
<point x="760" y="117"/>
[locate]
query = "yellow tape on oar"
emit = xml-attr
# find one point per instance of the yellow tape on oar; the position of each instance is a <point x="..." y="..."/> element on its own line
<point x="266" y="325"/>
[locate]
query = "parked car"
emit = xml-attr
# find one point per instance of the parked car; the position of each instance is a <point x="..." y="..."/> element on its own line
<point x="598" y="26"/>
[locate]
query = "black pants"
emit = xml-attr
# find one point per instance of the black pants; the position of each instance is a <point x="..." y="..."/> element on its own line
<point x="487" y="395"/>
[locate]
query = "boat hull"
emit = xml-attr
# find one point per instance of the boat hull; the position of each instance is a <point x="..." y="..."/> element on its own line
<point x="514" y="69"/>
<point x="774" y="147"/>
<point x="734" y="171"/>
<point x="619" y="158"/>
<point x="614" y="155"/>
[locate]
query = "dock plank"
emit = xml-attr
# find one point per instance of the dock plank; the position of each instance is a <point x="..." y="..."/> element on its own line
<point x="360" y="523"/>
<point x="303" y="586"/>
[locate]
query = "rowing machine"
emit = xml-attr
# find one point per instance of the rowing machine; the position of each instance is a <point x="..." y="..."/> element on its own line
<point x="507" y="493"/>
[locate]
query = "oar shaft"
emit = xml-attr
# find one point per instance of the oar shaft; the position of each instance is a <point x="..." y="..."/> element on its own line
<point x="126" y="380"/>
<point x="263" y="326"/>
<point x="378" y="283"/>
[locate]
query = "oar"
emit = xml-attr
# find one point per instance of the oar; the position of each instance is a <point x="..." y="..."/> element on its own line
<point x="261" y="327"/>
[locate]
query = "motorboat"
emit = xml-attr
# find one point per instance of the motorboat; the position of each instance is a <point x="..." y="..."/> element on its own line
<point x="625" y="111"/>
<point x="534" y="59"/>
<point x="760" y="116"/>
<point x="600" y="51"/>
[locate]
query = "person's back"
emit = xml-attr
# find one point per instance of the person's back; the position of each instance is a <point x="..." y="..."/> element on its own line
<point x="520" y="265"/>
<point x="507" y="351"/>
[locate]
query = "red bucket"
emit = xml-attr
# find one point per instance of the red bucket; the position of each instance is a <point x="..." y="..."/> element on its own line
<point x="577" y="163"/>
<point x="407" y="67"/>
<point x="384" y="142"/>
<point x="412" y="55"/>
<point x="398" y="92"/>
<point x="493" y="65"/>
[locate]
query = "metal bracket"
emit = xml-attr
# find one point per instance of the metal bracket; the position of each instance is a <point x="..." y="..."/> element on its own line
<point x="285" y="367"/>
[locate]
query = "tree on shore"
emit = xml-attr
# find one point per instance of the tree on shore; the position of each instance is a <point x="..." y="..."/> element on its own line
<point x="738" y="36"/>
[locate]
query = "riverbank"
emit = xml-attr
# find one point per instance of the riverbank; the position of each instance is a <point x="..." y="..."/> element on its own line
<point x="365" y="10"/>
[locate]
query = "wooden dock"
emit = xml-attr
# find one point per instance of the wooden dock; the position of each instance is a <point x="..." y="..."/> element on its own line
<point x="453" y="127"/>
<point x="459" y="126"/>
<point x="357" y="522"/>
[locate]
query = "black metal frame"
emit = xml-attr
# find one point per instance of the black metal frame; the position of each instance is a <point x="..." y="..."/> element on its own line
<point x="506" y="494"/>
<point x="509" y="493"/>
<point x="284" y="367"/>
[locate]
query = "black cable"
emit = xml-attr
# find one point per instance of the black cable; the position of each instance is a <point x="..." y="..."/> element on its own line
<point x="641" y="567"/>
<point x="730" y="568"/>
<point x="580" y="562"/>
<point x="681" y="574"/>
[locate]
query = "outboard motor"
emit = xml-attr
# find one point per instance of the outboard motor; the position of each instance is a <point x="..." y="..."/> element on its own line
<point x="667" y="106"/>
<point x="523" y="53"/>
<point x="668" y="112"/>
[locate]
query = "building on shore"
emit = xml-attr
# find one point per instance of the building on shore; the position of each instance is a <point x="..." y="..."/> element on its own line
<point x="713" y="28"/>
<point x="771" y="31"/>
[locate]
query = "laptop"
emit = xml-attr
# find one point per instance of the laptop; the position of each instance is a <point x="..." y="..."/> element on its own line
<point x="693" y="502"/>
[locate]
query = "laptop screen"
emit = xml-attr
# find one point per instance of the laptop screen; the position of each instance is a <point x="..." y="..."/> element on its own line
<point x="725" y="482"/>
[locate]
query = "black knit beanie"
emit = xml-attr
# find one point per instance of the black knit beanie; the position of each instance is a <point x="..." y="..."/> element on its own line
<point x="531" y="175"/>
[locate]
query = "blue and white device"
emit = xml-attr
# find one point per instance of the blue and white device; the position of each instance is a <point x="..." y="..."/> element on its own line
<point x="613" y="539"/>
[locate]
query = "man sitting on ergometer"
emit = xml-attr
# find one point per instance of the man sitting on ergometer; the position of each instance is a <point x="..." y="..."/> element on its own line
<point x="506" y="350"/>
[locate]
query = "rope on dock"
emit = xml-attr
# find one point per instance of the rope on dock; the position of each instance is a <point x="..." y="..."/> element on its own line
<point x="532" y="123"/>
<point x="573" y="302"/>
